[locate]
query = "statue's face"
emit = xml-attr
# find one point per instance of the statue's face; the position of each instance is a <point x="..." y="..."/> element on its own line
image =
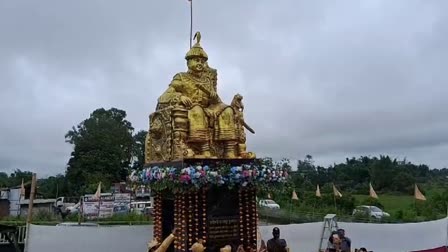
<point x="197" y="64"/>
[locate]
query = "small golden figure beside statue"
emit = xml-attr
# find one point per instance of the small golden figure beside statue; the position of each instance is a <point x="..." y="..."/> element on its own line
<point x="198" y="246"/>
<point x="191" y="121"/>
<point x="156" y="246"/>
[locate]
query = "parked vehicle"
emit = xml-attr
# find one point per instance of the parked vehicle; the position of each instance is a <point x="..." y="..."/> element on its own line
<point x="121" y="209"/>
<point x="370" y="211"/>
<point x="148" y="211"/>
<point x="63" y="207"/>
<point x="63" y="202"/>
<point x="268" y="203"/>
<point x="74" y="209"/>
<point x="138" y="207"/>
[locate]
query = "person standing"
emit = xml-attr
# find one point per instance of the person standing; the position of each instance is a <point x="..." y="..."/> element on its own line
<point x="334" y="242"/>
<point x="276" y="244"/>
<point x="346" y="243"/>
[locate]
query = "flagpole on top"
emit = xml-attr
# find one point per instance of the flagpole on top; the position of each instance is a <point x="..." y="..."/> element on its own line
<point x="191" y="22"/>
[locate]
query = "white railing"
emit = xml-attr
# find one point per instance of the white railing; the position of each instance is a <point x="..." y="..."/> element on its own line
<point x="21" y="236"/>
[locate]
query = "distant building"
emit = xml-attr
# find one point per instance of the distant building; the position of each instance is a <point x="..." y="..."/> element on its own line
<point x="39" y="206"/>
<point x="10" y="199"/>
<point x="143" y="193"/>
<point x="120" y="188"/>
<point x="4" y="203"/>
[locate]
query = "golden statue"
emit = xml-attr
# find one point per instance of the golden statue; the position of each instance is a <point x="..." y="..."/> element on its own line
<point x="226" y="248"/>
<point x="198" y="246"/>
<point x="156" y="246"/>
<point x="191" y="121"/>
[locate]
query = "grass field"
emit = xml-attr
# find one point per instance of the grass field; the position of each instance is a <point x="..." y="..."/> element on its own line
<point x="391" y="203"/>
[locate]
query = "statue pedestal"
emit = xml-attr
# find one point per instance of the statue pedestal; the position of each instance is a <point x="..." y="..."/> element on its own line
<point x="218" y="215"/>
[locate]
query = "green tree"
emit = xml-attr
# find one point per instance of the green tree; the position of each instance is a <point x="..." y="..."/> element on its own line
<point x="382" y="171"/>
<point x="4" y="180"/>
<point x="403" y="182"/>
<point x="53" y="186"/>
<point x="15" y="179"/>
<point x="102" y="150"/>
<point x="306" y="167"/>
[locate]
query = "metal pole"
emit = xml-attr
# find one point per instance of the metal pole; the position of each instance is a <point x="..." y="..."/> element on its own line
<point x="335" y="207"/>
<point x="81" y="205"/>
<point x="30" y="204"/>
<point x="290" y="210"/>
<point x="191" y="22"/>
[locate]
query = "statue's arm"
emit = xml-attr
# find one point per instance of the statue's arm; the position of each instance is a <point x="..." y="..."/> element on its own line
<point x="217" y="99"/>
<point x="173" y="91"/>
<point x="166" y="243"/>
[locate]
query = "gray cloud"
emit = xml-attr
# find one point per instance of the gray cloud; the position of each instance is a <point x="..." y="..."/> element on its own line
<point x="328" y="79"/>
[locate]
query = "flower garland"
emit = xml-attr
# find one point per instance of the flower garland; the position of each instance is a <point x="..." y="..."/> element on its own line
<point x="160" y="178"/>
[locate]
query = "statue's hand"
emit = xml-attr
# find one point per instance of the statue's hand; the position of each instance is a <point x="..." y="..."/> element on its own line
<point x="213" y="95"/>
<point x="186" y="101"/>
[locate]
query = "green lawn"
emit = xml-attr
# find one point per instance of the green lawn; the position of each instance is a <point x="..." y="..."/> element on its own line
<point x="390" y="202"/>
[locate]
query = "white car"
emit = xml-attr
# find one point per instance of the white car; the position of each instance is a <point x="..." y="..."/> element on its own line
<point x="269" y="204"/>
<point x="74" y="209"/>
<point x="371" y="211"/>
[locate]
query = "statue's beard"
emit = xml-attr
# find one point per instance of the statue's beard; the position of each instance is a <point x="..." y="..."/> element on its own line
<point x="196" y="72"/>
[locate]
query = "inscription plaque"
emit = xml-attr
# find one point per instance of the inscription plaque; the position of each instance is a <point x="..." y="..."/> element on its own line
<point x="223" y="218"/>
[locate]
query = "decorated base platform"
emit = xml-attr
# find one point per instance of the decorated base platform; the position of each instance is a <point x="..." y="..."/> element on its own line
<point x="219" y="215"/>
<point x="213" y="200"/>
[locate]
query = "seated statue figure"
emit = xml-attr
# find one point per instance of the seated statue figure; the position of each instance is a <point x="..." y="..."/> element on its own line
<point x="202" y="125"/>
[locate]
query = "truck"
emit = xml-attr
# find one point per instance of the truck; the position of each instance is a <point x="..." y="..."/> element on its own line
<point x="62" y="206"/>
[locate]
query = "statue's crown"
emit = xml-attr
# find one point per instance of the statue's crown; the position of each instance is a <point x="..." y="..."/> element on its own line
<point x="196" y="50"/>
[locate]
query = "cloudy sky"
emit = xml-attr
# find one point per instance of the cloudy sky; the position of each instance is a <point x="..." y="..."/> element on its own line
<point x="333" y="79"/>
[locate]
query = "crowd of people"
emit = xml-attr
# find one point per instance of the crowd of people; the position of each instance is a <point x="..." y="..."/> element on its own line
<point x="338" y="242"/>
